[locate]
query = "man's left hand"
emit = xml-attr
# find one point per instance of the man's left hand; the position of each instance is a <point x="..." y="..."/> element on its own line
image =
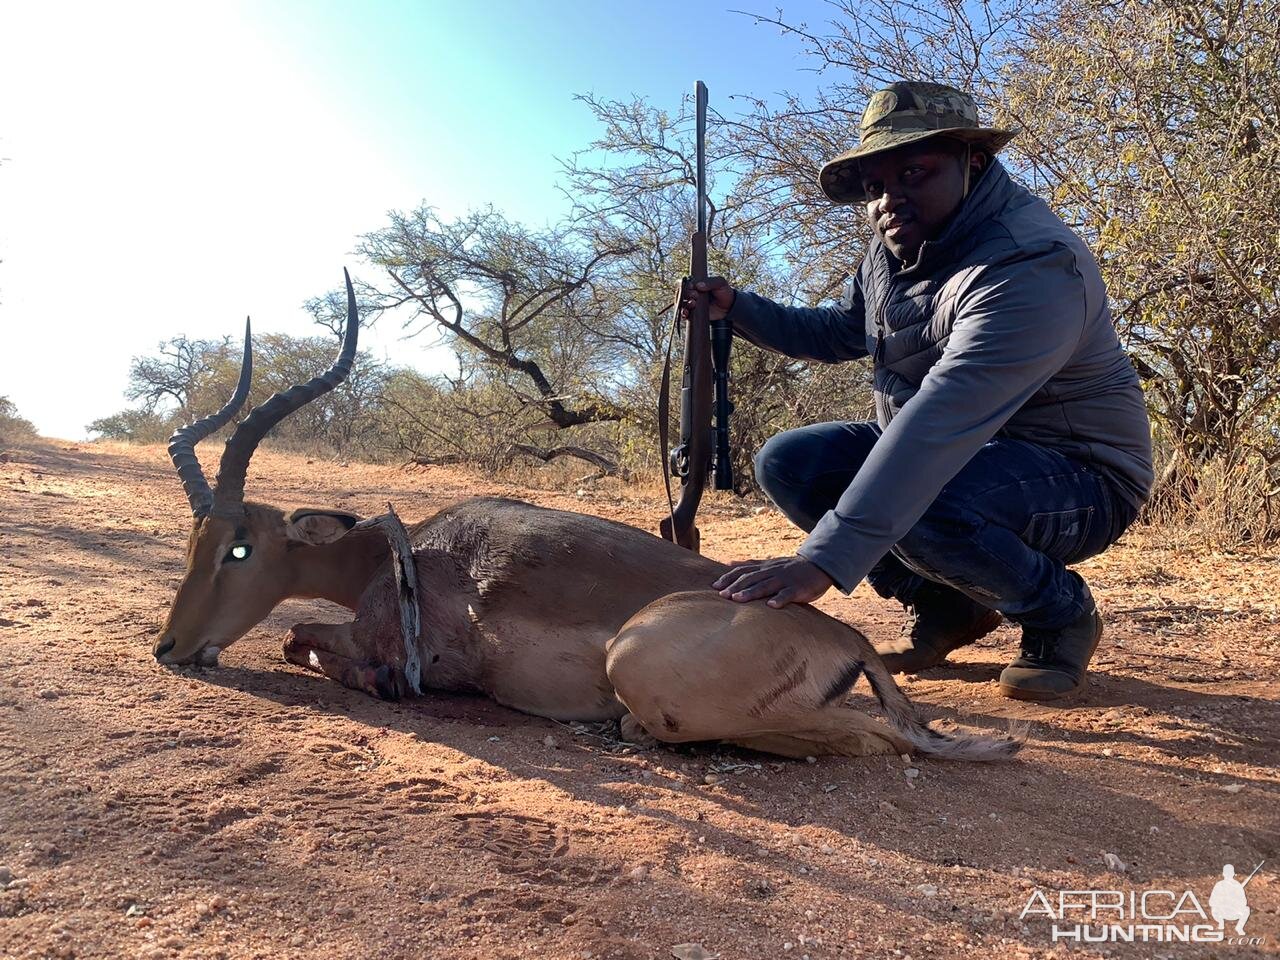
<point x="783" y="580"/>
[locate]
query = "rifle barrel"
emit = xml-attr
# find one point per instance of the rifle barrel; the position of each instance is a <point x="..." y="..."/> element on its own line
<point x="700" y="106"/>
<point x="704" y="386"/>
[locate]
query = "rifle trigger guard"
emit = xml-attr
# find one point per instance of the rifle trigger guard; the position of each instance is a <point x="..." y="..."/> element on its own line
<point x="678" y="458"/>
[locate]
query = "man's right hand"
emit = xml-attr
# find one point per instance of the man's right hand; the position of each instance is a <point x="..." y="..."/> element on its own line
<point x="722" y="297"/>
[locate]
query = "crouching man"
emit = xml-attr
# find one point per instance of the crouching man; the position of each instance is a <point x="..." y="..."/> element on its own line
<point x="1010" y="439"/>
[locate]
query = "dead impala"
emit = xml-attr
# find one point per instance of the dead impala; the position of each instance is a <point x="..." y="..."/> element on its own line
<point x="553" y="613"/>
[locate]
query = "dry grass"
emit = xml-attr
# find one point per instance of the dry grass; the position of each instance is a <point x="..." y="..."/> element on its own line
<point x="1230" y="506"/>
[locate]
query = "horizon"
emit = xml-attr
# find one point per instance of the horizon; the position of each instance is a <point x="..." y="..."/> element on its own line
<point x="168" y="170"/>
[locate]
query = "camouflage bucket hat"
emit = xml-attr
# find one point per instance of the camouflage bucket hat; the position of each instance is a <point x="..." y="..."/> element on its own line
<point x="904" y="113"/>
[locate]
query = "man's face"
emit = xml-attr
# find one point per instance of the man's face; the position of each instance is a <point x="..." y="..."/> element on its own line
<point x="912" y="192"/>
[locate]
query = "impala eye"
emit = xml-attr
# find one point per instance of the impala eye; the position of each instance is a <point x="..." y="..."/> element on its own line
<point x="240" y="551"/>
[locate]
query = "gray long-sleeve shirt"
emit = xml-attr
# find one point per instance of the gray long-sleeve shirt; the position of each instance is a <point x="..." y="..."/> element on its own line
<point x="1001" y="327"/>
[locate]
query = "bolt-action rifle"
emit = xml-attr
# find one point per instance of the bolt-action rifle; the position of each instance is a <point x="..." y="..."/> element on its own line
<point x="704" y="447"/>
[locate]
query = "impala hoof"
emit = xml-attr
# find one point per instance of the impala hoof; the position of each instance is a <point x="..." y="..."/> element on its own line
<point x="388" y="683"/>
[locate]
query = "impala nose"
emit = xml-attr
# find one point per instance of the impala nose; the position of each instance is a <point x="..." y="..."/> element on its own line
<point x="164" y="646"/>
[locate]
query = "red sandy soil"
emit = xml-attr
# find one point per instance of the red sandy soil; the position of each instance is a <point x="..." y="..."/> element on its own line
<point x="256" y="810"/>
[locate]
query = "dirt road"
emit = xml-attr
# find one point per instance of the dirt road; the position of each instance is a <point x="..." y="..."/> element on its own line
<point x="254" y="810"/>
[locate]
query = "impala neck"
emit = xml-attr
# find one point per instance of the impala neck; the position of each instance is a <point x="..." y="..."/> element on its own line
<point x="339" y="571"/>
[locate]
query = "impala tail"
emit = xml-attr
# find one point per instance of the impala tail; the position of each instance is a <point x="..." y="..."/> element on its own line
<point x="902" y="716"/>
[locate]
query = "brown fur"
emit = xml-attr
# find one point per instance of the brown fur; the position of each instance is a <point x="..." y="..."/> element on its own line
<point x="522" y="616"/>
<point x="573" y="617"/>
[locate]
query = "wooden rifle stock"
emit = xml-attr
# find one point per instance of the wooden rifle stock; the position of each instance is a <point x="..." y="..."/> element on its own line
<point x="691" y="460"/>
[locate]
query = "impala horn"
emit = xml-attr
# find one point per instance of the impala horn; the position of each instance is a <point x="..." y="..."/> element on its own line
<point x="228" y="498"/>
<point x="182" y="445"/>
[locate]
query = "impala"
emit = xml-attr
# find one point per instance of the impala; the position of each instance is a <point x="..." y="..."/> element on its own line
<point x="553" y="613"/>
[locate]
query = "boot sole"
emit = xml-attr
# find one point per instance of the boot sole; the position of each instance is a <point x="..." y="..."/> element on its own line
<point x="1038" y="696"/>
<point x="1044" y="696"/>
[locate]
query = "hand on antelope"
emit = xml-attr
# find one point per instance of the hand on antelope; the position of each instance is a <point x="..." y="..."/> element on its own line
<point x="783" y="580"/>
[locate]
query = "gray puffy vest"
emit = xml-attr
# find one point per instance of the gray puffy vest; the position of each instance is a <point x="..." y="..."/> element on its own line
<point x="1092" y="409"/>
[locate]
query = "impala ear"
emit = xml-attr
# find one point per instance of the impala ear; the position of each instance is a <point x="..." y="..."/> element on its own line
<point x="315" y="527"/>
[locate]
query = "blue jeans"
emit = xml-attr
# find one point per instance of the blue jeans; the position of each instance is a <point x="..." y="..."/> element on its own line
<point x="1001" y="532"/>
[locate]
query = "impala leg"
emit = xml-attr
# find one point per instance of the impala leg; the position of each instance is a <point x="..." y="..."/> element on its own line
<point x="693" y="666"/>
<point x="331" y="650"/>
<point x="836" y="730"/>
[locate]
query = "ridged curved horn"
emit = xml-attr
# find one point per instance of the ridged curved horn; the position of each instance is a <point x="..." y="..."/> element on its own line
<point x="182" y="445"/>
<point x="228" y="497"/>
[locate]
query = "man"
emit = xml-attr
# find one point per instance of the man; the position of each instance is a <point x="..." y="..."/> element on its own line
<point x="1228" y="900"/>
<point x="1011" y="436"/>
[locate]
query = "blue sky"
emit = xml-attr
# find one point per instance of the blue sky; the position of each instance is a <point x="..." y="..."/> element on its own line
<point x="167" y="168"/>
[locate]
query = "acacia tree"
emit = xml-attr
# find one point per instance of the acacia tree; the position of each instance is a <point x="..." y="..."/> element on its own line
<point x="14" y="427"/>
<point x="182" y="381"/>
<point x="174" y="373"/>
<point x="1150" y="126"/>
<point x="520" y="308"/>
<point x="188" y="379"/>
<point x="636" y="185"/>
<point x="1171" y="173"/>
<point x="777" y="147"/>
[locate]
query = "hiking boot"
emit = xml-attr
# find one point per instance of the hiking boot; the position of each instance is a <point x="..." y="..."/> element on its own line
<point x="1053" y="662"/>
<point x="940" y="620"/>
